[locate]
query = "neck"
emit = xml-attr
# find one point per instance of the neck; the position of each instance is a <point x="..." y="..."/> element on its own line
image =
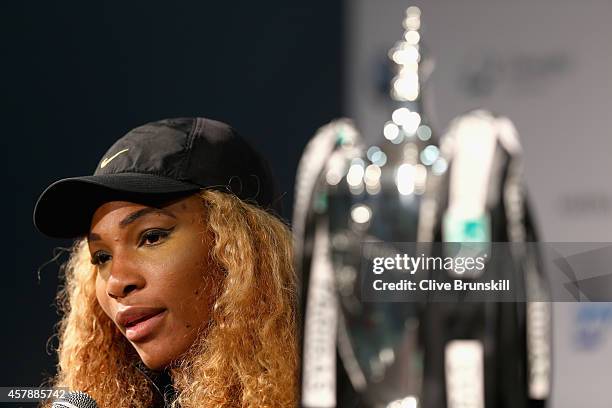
<point x="161" y="381"/>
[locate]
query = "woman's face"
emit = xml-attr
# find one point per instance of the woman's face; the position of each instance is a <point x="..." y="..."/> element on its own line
<point x="151" y="274"/>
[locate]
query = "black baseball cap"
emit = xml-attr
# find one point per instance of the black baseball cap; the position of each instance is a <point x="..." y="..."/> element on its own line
<point x="156" y="163"/>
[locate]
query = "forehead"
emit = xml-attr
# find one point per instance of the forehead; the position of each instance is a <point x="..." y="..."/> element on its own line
<point x="122" y="213"/>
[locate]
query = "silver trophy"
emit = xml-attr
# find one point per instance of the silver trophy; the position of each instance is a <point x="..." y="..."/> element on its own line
<point x="414" y="187"/>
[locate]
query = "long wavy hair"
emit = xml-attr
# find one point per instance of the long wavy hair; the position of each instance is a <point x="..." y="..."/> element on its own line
<point x="245" y="357"/>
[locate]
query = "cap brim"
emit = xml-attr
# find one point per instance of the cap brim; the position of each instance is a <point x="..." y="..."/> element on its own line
<point x="65" y="208"/>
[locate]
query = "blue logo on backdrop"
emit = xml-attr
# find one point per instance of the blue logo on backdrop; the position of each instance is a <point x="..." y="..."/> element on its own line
<point x="593" y="325"/>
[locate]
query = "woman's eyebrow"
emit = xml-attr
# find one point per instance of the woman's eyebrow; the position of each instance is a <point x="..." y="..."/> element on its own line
<point x="142" y="212"/>
<point x="133" y="217"/>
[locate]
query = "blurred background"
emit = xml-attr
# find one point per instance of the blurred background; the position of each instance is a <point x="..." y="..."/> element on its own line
<point x="81" y="75"/>
<point x="547" y="66"/>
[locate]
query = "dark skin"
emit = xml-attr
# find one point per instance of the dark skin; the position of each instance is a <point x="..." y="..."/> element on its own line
<point x="155" y="258"/>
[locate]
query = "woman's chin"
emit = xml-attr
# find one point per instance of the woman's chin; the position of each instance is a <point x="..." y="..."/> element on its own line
<point x="154" y="363"/>
<point x="155" y="358"/>
<point x="159" y="352"/>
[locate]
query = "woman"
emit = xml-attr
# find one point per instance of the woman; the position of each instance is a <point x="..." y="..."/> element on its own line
<point x="180" y="288"/>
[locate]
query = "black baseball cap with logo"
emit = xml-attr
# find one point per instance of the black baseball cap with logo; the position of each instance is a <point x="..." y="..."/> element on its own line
<point x="155" y="163"/>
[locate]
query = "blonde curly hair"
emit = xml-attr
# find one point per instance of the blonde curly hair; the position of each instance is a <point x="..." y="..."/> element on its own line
<point x="246" y="357"/>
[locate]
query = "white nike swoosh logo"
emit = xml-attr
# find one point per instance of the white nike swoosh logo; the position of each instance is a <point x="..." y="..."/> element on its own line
<point x="108" y="159"/>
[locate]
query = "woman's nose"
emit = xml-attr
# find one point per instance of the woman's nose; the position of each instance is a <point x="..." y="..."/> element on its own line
<point x="124" y="278"/>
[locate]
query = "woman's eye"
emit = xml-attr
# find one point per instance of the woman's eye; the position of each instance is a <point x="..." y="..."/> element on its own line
<point x="153" y="237"/>
<point x="100" y="258"/>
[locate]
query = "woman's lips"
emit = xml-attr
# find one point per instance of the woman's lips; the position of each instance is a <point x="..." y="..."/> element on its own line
<point x="139" y="323"/>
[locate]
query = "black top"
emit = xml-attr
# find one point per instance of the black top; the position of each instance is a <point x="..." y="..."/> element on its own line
<point x="162" y="385"/>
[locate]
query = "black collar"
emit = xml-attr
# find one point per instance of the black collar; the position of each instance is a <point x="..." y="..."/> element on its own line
<point x="161" y="382"/>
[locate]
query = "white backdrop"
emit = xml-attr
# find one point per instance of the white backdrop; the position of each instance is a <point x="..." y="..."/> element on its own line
<point x="547" y="65"/>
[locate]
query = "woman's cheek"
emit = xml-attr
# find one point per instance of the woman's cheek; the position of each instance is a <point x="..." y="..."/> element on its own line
<point x="177" y="266"/>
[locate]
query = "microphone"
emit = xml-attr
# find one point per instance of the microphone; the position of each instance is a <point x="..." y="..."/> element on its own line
<point x="75" y="399"/>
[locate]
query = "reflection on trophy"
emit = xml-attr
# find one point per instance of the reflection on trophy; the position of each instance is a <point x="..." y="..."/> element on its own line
<point x="416" y="187"/>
